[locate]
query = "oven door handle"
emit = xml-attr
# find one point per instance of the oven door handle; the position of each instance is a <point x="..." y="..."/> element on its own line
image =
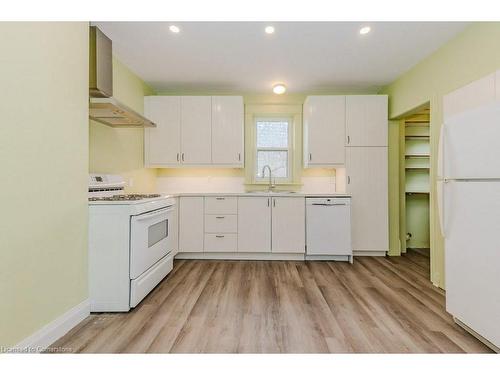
<point x="154" y="214"/>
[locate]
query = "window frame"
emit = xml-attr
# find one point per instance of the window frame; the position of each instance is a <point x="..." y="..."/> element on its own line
<point x="289" y="149"/>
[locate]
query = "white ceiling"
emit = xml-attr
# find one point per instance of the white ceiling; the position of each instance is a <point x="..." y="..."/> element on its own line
<point x="239" y="57"/>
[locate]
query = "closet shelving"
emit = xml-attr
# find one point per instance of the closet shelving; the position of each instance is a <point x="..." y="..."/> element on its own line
<point x="417" y="153"/>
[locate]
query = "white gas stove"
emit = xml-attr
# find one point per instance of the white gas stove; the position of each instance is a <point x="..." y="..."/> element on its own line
<point x="132" y="242"/>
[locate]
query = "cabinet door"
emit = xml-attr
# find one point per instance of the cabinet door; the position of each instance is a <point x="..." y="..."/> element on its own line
<point x="367" y="183"/>
<point x="324" y="131"/>
<point x="196" y="133"/>
<point x="288" y="225"/>
<point x="191" y="227"/>
<point x="366" y="120"/>
<point x="227" y="130"/>
<point x="254" y="224"/>
<point x="162" y="144"/>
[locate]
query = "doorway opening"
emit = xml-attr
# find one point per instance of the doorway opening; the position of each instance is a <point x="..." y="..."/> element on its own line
<point x="414" y="179"/>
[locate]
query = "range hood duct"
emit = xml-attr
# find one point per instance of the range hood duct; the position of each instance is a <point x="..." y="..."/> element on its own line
<point x="102" y="106"/>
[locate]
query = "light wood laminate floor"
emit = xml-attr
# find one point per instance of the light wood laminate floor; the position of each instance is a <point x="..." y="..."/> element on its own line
<point x="376" y="305"/>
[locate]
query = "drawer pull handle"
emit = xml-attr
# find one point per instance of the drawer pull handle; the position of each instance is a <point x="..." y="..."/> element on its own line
<point x="219" y="236"/>
<point x="220" y="217"/>
<point x="220" y="198"/>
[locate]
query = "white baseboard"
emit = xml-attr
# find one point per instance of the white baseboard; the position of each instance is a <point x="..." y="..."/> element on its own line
<point x="53" y="331"/>
<point x="240" y="256"/>
<point x="366" y="253"/>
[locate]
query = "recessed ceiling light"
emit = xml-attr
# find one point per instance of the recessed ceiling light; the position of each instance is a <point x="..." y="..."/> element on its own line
<point x="269" y="29"/>
<point x="279" y="88"/>
<point x="174" y="29"/>
<point x="365" y="30"/>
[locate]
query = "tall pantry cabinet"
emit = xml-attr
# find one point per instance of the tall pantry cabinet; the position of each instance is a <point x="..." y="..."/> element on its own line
<point x="367" y="172"/>
<point x="351" y="131"/>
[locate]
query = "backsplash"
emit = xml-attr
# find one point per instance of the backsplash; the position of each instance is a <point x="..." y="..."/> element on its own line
<point x="224" y="184"/>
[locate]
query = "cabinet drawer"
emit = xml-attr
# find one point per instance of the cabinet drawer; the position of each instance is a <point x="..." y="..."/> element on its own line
<point x="221" y="205"/>
<point x="221" y="224"/>
<point x="218" y="242"/>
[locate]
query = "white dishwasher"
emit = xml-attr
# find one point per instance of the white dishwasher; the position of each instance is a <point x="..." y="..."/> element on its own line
<point x="328" y="229"/>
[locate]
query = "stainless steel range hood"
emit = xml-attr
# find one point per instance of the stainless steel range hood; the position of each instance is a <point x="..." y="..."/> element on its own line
<point x="102" y="106"/>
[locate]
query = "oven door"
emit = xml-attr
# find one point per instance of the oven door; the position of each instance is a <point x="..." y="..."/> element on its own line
<point x="150" y="239"/>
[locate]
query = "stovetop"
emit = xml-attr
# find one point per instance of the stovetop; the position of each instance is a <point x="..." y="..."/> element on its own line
<point x="124" y="197"/>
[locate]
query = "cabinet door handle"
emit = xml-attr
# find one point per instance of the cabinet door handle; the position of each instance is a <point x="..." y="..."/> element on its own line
<point x="219" y="236"/>
<point x="239" y="156"/>
<point x="177" y="156"/>
<point x="348" y="140"/>
<point x="348" y="179"/>
<point x="274" y="202"/>
<point x="220" y="217"/>
<point x="267" y="202"/>
<point x="310" y="157"/>
<point x="182" y="156"/>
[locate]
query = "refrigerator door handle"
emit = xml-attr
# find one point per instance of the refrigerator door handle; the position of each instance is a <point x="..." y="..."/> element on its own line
<point x="440" y="203"/>
<point x="440" y="161"/>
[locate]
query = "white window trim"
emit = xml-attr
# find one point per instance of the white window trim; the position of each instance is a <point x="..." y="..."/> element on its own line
<point x="289" y="149"/>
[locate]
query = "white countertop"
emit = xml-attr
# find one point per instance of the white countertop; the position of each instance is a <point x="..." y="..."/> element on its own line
<point x="259" y="194"/>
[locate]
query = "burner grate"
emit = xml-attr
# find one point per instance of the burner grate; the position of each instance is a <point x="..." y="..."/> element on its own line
<point x="125" y="197"/>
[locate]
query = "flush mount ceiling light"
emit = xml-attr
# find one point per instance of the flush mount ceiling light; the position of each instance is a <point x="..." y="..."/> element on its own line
<point x="279" y="88"/>
<point x="269" y="29"/>
<point x="174" y="29"/>
<point x="365" y="30"/>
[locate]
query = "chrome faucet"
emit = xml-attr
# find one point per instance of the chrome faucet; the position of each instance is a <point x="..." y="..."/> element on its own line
<point x="271" y="185"/>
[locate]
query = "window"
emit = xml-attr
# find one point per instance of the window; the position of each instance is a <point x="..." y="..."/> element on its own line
<point x="273" y="147"/>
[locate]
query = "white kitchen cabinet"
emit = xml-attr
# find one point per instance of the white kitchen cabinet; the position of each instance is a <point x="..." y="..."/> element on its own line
<point x="191" y="224"/>
<point x="324" y="131"/>
<point x="162" y="144"/>
<point x="367" y="182"/>
<point x="220" y="242"/>
<point x="254" y="224"/>
<point x="288" y="225"/>
<point x="196" y="130"/>
<point x="227" y="131"/>
<point x="366" y="120"/>
<point x="221" y="205"/>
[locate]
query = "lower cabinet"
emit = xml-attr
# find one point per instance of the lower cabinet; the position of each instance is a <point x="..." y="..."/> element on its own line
<point x="220" y="243"/>
<point x="191" y="224"/>
<point x="288" y="225"/>
<point x="254" y="224"/>
<point x="242" y="224"/>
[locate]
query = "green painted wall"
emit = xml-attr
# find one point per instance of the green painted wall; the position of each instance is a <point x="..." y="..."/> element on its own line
<point x="417" y="220"/>
<point x="121" y="150"/>
<point x="44" y="164"/>
<point x="472" y="54"/>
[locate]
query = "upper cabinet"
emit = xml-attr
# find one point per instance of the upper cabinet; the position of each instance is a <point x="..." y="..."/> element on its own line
<point x="366" y="120"/>
<point x="162" y="144"/>
<point x="227" y="130"/>
<point x="194" y="131"/>
<point x="324" y="131"/>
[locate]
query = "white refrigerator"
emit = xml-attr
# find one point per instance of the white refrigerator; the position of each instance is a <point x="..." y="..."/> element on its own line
<point x="468" y="195"/>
